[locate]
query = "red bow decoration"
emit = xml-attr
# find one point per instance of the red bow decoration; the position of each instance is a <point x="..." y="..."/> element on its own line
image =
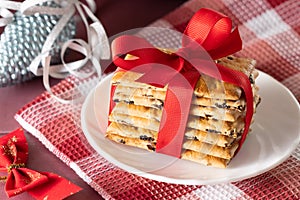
<point x="208" y="36"/>
<point x="41" y="185"/>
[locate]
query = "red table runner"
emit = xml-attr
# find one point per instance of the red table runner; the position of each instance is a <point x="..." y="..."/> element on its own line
<point x="270" y="31"/>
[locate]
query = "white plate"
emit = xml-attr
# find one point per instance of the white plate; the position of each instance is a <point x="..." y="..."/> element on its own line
<point x="275" y="134"/>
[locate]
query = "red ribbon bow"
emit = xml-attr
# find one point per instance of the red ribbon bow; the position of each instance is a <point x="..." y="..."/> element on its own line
<point x="207" y="36"/>
<point x="41" y="185"/>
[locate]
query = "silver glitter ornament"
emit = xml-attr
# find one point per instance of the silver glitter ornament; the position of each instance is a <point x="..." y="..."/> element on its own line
<point x="23" y="39"/>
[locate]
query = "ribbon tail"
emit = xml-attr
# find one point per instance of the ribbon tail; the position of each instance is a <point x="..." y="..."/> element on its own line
<point x="241" y="80"/>
<point x="177" y="107"/>
<point x="55" y="188"/>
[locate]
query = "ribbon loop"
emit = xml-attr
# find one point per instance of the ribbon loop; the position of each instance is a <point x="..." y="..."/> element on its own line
<point x="212" y="30"/>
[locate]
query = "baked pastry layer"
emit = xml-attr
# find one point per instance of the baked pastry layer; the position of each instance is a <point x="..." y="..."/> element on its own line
<point x="216" y="117"/>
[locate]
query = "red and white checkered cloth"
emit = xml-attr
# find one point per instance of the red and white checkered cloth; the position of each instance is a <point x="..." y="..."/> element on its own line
<point x="270" y="30"/>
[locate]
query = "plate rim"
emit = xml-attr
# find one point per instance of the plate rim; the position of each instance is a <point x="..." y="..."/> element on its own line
<point x="187" y="181"/>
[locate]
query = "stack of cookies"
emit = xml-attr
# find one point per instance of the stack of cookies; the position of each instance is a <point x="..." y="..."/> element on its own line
<point x="216" y="118"/>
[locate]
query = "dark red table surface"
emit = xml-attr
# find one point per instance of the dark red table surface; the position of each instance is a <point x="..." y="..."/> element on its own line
<point x="116" y="16"/>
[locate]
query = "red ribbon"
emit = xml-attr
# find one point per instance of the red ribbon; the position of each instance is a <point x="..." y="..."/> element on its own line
<point x="207" y="36"/>
<point x="41" y="185"/>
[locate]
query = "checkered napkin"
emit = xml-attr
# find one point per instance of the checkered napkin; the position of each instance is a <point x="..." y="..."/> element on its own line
<point x="270" y="32"/>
